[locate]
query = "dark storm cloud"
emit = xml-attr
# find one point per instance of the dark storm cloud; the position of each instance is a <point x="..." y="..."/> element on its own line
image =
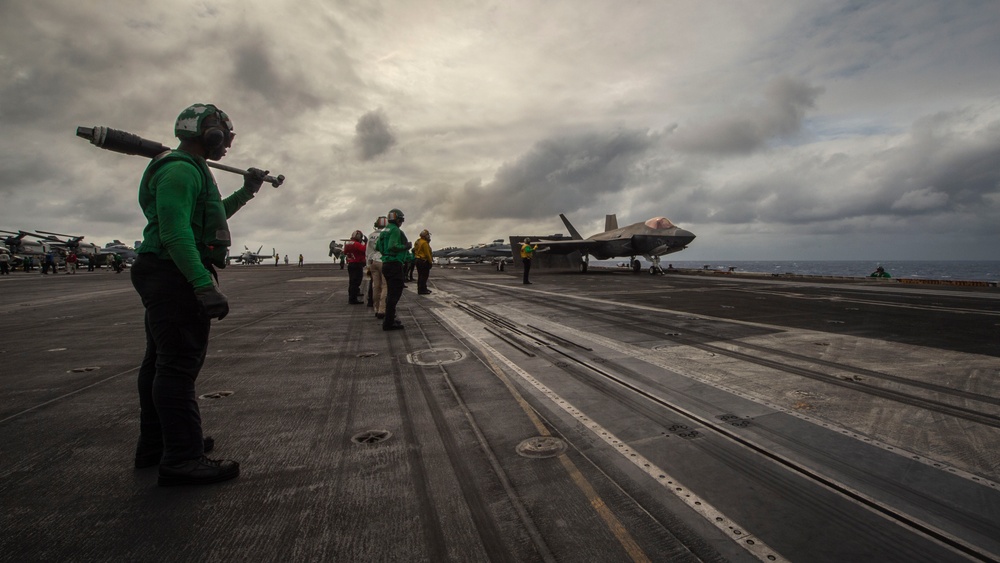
<point x="750" y="129"/>
<point x="373" y="135"/>
<point x="954" y="167"/>
<point x="942" y="170"/>
<point x="283" y="86"/>
<point x="557" y="175"/>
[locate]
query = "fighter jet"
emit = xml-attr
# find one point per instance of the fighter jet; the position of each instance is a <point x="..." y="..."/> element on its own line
<point x="125" y="251"/>
<point x="479" y="253"/>
<point x="250" y="257"/>
<point x="652" y="239"/>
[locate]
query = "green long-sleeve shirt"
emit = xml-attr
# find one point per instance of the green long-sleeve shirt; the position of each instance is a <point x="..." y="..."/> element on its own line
<point x="186" y="214"/>
<point x="392" y="244"/>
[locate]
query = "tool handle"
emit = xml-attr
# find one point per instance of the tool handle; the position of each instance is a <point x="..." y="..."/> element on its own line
<point x="129" y="143"/>
<point x="273" y="180"/>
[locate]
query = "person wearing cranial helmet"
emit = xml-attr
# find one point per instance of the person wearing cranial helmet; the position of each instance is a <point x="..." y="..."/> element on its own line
<point x="394" y="248"/>
<point x="528" y="251"/>
<point x="378" y="289"/>
<point x="185" y="239"/>
<point x="355" y="250"/>
<point x="424" y="260"/>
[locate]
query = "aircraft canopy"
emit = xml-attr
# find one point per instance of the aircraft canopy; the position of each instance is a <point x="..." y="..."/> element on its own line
<point x="659" y="223"/>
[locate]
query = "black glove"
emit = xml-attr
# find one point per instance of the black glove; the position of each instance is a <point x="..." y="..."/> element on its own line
<point x="409" y="245"/>
<point x="254" y="179"/>
<point x="213" y="302"/>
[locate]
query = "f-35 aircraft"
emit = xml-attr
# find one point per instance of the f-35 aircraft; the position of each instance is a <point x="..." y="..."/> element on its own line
<point x="652" y="239"/>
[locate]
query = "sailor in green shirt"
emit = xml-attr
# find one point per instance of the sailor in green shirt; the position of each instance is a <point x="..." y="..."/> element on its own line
<point x="185" y="238"/>
<point x="395" y="248"/>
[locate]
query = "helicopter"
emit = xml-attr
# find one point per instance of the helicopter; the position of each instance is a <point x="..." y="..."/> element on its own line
<point x="73" y="243"/>
<point x="21" y="249"/>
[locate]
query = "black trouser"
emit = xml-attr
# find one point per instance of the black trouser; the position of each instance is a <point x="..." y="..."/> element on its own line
<point x="176" y="343"/>
<point x="4" y="268"/>
<point x="393" y="274"/>
<point x="526" y="262"/>
<point x="423" y="272"/>
<point x="355" y="273"/>
<point x="409" y="271"/>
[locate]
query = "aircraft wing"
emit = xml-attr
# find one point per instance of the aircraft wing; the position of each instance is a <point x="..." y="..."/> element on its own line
<point x="567" y="246"/>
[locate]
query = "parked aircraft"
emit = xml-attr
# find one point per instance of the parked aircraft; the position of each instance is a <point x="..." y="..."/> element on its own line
<point x="479" y="253"/>
<point x="73" y="243"/>
<point x="250" y="257"/>
<point x="125" y="251"/>
<point x="21" y="249"/>
<point x="336" y="249"/>
<point x="652" y="239"/>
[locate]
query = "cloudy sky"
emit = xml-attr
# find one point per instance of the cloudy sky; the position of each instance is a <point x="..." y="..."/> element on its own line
<point x="771" y="129"/>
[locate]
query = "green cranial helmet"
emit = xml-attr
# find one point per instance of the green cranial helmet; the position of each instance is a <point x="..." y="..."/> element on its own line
<point x="191" y="122"/>
<point x="395" y="216"/>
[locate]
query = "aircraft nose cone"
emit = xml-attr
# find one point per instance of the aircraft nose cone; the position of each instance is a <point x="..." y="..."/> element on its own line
<point x="684" y="236"/>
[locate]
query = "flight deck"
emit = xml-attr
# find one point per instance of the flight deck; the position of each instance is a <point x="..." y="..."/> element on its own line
<point x="606" y="416"/>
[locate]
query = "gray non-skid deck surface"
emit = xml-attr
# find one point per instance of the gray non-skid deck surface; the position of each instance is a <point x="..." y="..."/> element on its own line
<point x="362" y="445"/>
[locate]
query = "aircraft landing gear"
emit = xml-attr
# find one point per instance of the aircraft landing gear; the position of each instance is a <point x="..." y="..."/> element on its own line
<point x="636" y="266"/>
<point x="655" y="268"/>
<point x="584" y="263"/>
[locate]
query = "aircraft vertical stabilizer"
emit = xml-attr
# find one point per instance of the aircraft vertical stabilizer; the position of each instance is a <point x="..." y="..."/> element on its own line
<point x="573" y="233"/>
<point x="610" y="223"/>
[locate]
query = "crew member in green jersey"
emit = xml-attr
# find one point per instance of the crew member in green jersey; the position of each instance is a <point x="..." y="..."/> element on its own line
<point x="394" y="247"/>
<point x="185" y="239"/>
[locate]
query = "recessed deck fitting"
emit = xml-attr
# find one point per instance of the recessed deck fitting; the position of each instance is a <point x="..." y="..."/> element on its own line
<point x="541" y="447"/>
<point x="436" y="356"/>
<point x="371" y="436"/>
<point x="734" y="420"/>
<point x="216" y="395"/>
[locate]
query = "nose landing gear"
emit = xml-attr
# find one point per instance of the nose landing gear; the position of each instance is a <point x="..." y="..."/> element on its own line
<point x="655" y="268"/>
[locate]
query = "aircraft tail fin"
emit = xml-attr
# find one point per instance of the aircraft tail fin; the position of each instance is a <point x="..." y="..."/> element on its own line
<point x="611" y="222"/>
<point x="569" y="226"/>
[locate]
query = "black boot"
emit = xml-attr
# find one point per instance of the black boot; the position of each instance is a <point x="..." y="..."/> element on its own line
<point x="148" y="457"/>
<point x="201" y="471"/>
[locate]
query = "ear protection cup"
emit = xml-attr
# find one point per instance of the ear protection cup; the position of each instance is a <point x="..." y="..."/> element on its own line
<point x="214" y="138"/>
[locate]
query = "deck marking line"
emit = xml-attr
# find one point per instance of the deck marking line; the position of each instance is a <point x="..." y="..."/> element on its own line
<point x="729" y="527"/>
<point x="614" y="525"/>
<point x="656" y="359"/>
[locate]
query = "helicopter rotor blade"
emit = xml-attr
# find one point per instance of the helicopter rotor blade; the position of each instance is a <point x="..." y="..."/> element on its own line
<point x="58" y="234"/>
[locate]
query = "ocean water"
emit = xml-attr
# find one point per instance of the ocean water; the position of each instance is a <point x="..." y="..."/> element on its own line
<point x="964" y="270"/>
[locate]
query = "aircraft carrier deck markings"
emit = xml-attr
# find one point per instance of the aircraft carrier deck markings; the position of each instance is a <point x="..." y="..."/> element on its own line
<point x="731" y="529"/>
